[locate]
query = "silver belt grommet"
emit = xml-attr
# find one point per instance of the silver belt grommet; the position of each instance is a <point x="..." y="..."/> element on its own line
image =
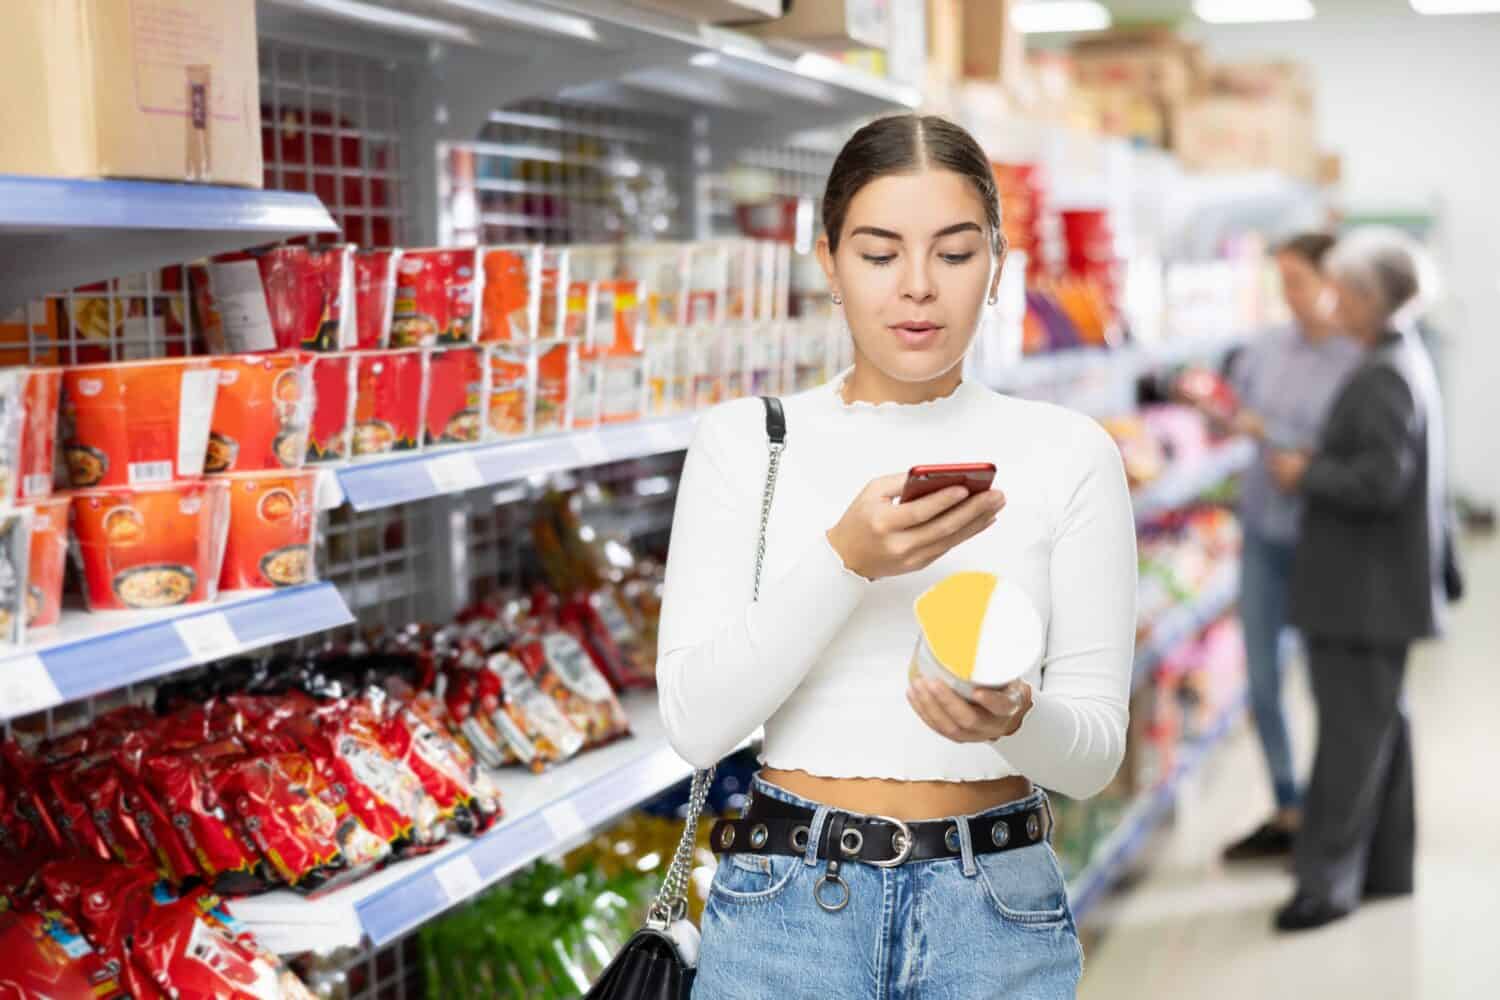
<point x="951" y="840"/>
<point x="1034" y="827"/>
<point x="1000" y="833"/>
<point x="726" y="837"/>
<point x="799" y="838"/>
<point x="851" y="842"/>
<point x="759" y="835"/>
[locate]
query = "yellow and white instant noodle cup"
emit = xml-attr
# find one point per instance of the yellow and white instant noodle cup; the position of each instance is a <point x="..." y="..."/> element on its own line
<point x="976" y="630"/>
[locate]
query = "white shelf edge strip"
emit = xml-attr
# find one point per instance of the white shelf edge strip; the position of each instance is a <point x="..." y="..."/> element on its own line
<point x="372" y="484"/>
<point x="1184" y="483"/>
<point x="1186" y="621"/>
<point x="1121" y="847"/>
<point x="69" y="668"/>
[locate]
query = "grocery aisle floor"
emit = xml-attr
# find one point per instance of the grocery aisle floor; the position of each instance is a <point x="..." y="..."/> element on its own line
<point x="1192" y="928"/>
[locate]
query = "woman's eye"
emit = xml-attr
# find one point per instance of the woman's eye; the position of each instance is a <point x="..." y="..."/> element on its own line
<point x="957" y="258"/>
<point x="879" y="261"/>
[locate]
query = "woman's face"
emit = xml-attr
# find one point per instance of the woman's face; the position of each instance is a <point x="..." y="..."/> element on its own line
<point x="1305" y="290"/>
<point x="914" y="268"/>
<point x="1357" y="311"/>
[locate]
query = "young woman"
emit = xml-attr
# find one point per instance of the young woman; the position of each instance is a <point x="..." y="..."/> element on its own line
<point x="896" y="845"/>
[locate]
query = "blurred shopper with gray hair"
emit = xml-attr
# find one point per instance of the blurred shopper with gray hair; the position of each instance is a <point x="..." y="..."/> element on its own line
<point x="1367" y="581"/>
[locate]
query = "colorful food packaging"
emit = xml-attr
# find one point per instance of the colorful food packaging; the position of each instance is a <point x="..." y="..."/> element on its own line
<point x="374" y="296"/>
<point x="330" y="435"/>
<point x="587" y="387"/>
<point x="310" y="838"/>
<point x="562" y="668"/>
<point x="106" y="902"/>
<point x="446" y="770"/>
<point x="509" y="373"/>
<point x="185" y="783"/>
<point x="455" y="395"/>
<point x="532" y="723"/>
<point x="46" y="958"/>
<point x="68" y="809"/>
<point x="708" y="284"/>
<point x="281" y="299"/>
<point x="174" y="859"/>
<point x="622" y="371"/>
<point x="976" y="630"/>
<point x="153" y="547"/>
<point x="437" y="297"/>
<point x="612" y="639"/>
<point x="556" y="374"/>
<point x="137" y="423"/>
<point x="389" y="404"/>
<point x="15" y="566"/>
<point x="13" y="383"/>
<point x="512" y="299"/>
<point x="553" y="307"/>
<point x="125" y="319"/>
<point x="101" y="785"/>
<point x="273" y="518"/>
<point x="43" y="395"/>
<point x="660" y="362"/>
<point x="261" y="413"/>
<point x="473" y="718"/>
<point x="47" y="561"/>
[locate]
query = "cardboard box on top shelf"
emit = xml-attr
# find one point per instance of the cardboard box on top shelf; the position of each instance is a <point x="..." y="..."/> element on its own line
<point x="1150" y="61"/>
<point x="1240" y="133"/>
<point x="153" y="89"/>
<point x="729" y="12"/>
<point x="993" y="48"/>
<point x="945" y="40"/>
<point x="1274" y="79"/>
<point x="831" y="24"/>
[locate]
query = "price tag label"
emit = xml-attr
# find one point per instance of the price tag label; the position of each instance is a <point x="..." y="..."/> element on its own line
<point x="459" y="878"/>
<point x="591" y="449"/>
<point x="563" y="819"/>
<point x="207" y="637"/>
<point x="26" y="686"/>
<point x="454" y="473"/>
<point x="330" y="493"/>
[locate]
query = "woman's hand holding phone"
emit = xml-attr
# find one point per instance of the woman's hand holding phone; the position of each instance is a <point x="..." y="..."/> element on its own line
<point x="876" y="538"/>
<point x="992" y="713"/>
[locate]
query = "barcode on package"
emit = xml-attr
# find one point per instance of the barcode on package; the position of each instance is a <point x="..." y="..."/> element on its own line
<point x="150" y="472"/>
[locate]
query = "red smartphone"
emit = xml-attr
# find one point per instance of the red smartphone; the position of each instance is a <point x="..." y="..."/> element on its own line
<point x="922" y="480"/>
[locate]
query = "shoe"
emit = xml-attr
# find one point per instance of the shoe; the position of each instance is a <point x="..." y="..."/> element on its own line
<point x="1269" y="841"/>
<point x="1374" y="894"/>
<point x="1304" y="913"/>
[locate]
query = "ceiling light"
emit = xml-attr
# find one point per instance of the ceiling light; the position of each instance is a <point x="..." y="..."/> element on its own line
<point x="1253" y="11"/>
<point x="1456" y="6"/>
<point x="1035" y="18"/>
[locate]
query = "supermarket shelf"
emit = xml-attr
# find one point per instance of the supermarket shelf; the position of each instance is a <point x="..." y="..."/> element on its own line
<point x="1186" y="482"/>
<point x="1116" y="854"/>
<point x="88" y="654"/>
<point x="57" y="233"/>
<point x="1047" y="370"/>
<point x="1186" y="621"/>
<point x="368" y="485"/>
<point x="544" y="815"/>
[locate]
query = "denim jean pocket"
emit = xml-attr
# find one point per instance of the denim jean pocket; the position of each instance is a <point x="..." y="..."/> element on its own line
<point x="754" y="878"/>
<point x="1026" y="886"/>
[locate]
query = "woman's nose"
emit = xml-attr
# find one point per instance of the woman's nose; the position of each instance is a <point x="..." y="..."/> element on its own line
<point x="916" y="283"/>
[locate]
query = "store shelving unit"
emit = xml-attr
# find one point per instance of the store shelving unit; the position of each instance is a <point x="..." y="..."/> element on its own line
<point x="1185" y="621"/>
<point x="1040" y="371"/>
<point x="88" y="654"/>
<point x="1187" y="481"/>
<point x="1116" y="854"/>
<point x="57" y="233"/>
<point x="544" y="815"/>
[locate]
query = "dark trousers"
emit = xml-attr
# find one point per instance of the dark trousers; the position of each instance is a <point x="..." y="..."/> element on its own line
<point x="1359" y="812"/>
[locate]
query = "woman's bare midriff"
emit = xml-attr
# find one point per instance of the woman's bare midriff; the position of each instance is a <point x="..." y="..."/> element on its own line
<point x="907" y="800"/>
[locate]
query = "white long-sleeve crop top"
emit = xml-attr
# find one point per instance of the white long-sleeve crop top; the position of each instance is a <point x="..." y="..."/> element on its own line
<point x="822" y="659"/>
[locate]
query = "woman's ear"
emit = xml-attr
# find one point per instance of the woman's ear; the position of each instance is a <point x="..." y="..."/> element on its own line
<point x="825" y="258"/>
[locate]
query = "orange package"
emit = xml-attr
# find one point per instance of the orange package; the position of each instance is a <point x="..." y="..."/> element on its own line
<point x="374" y="296"/>
<point x="42" y="394"/>
<point x="555" y="377"/>
<point x="455" y="395"/>
<point x="512" y="300"/>
<point x="437" y="298"/>
<point x="47" y="559"/>
<point x="261" y="413"/>
<point x="137" y="422"/>
<point x="151" y="547"/>
<point x="273" y="517"/>
<point x="553" y="305"/>
<point x="388" y="402"/>
<point x="281" y="299"/>
<point x="508" y="371"/>
<point x="330" y="435"/>
<point x="622" y="376"/>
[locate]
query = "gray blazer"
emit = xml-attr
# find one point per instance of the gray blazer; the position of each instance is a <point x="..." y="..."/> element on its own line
<point x="1369" y="563"/>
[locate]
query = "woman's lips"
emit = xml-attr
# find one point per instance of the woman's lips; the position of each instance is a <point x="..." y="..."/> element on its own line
<point x="916" y="335"/>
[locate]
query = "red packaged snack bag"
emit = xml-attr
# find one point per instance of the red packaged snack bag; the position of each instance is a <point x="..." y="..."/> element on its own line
<point x="508" y="372"/>
<point x="173" y="858"/>
<point x="261" y="413"/>
<point x="533" y="724"/>
<point x="610" y="637"/>
<point x="556" y="375"/>
<point x="374" y="296"/>
<point x="46" y="958"/>
<point x="330" y="436"/>
<point x="65" y="804"/>
<point x="26" y="831"/>
<point x="42" y="397"/>
<point x="281" y="299"/>
<point x="102" y="786"/>
<point x="447" y="771"/>
<point x="106" y="902"/>
<point x="455" y="395"/>
<point x="306" y="833"/>
<point x="184" y="782"/>
<point x="461" y="696"/>
<point x="512" y="303"/>
<point x="437" y="297"/>
<point x="47" y="561"/>
<point x="389" y="402"/>
<point x="562" y="668"/>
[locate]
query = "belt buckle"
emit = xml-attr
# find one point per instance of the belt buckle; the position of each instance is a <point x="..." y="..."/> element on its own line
<point x="903" y="835"/>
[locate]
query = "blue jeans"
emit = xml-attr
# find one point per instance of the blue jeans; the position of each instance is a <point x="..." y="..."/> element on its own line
<point x="1265" y="574"/>
<point x="995" y="925"/>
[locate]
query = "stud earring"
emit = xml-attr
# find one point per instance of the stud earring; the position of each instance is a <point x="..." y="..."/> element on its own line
<point x="838" y="299"/>
<point x="993" y="300"/>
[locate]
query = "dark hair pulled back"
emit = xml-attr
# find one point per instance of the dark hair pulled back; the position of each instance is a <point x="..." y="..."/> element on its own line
<point x="901" y="144"/>
<point x="1312" y="247"/>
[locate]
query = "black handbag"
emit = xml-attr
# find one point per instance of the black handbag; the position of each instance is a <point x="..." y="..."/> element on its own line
<point x="651" y="966"/>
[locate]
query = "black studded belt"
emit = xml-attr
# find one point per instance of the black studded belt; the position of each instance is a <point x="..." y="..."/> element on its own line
<point x="771" y="826"/>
